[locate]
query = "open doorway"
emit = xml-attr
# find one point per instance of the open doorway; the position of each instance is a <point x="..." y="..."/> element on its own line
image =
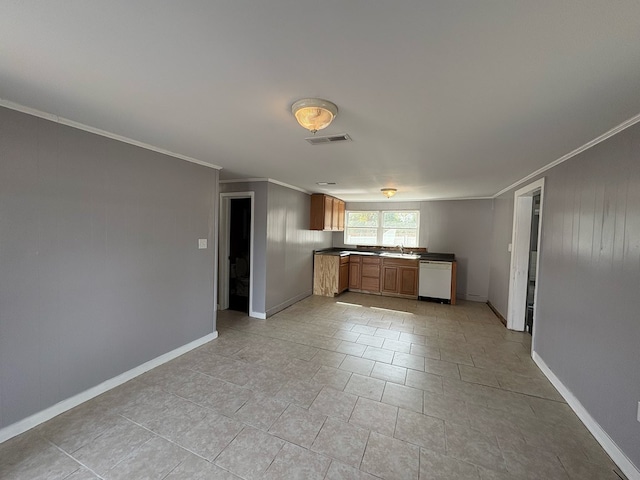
<point x="523" y="280"/>
<point x="239" y="255"/>
<point x="236" y="251"/>
<point x="533" y="262"/>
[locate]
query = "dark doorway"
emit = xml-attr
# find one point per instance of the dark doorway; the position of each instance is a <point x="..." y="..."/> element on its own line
<point x="239" y="252"/>
<point x="533" y="261"/>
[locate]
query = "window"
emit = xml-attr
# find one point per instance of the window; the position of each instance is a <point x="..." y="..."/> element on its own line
<point x="388" y="228"/>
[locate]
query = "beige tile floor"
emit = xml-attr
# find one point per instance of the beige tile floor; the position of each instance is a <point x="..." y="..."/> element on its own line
<point x="356" y="387"/>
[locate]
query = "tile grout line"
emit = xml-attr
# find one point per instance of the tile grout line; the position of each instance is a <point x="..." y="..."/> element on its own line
<point x="74" y="459"/>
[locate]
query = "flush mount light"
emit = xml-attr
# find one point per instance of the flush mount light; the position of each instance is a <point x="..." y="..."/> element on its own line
<point x="314" y="113"/>
<point x="388" y="192"/>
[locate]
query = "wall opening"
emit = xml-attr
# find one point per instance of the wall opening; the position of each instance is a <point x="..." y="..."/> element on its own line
<point x="523" y="279"/>
<point x="235" y="268"/>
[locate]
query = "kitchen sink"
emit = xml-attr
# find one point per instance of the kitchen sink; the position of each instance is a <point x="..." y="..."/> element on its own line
<point x="408" y="256"/>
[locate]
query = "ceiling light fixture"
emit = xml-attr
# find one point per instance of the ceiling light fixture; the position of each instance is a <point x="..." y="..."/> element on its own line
<point x="314" y="113"/>
<point x="388" y="192"/>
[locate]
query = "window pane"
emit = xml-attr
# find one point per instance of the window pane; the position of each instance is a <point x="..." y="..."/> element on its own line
<point x="400" y="219"/>
<point x="361" y="236"/>
<point x="400" y="236"/>
<point x="362" y="219"/>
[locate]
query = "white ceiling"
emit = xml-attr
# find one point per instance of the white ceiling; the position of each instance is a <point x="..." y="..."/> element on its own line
<point x="443" y="99"/>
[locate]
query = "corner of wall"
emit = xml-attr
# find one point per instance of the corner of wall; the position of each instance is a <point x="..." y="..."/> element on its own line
<point x="617" y="455"/>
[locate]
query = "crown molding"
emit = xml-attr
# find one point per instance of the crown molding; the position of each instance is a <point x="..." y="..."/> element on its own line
<point x="270" y="180"/>
<point x="244" y="180"/>
<point x="455" y="198"/>
<point x="608" y="134"/>
<point x="102" y="133"/>
<point x="292" y="187"/>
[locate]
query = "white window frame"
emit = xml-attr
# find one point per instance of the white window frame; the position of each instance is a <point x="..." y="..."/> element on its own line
<point x="380" y="227"/>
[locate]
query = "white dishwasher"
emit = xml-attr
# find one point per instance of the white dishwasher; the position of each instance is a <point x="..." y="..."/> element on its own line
<point x="435" y="279"/>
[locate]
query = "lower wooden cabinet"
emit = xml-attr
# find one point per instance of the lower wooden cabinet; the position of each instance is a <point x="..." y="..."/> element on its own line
<point x="408" y="281"/>
<point x="343" y="276"/>
<point x="355" y="272"/>
<point x="367" y="269"/>
<point x="389" y="279"/>
<point x="330" y="274"/>
<point x="399" y="277"/>
<point x="333" y="274"/>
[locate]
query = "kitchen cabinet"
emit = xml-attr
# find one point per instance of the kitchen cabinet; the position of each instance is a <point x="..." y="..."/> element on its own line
<point x="379" y="274"/>
<point x="330" y="274"/>
<point x="341" y="213"/>
<point x="399" y="277"/>
<point x="343" y="276"/>
<point x="355" y="269"/>
<point x="327" y="213"/>
<point x="370" y="275"/>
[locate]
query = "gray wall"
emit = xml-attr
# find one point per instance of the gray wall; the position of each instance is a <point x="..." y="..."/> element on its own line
<point x="500" y="268"/>
<point x="290" y="246"/>
<point x="283" y="244"/>
<point x="99" y="266"/>
<point x="462" y="227"/>
<point x="587" y="326"/>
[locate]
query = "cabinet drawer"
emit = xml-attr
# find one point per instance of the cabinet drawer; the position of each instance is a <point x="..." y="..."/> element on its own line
<point x="370" y="270"/>
<point x="370" y="284"/>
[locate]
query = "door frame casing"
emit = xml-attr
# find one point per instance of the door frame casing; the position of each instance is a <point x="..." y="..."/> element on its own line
<point x="224" y="263"/>
<point x="520" y="247"/>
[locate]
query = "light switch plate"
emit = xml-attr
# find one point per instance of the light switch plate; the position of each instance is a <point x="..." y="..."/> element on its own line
<point x="509" y="247"/>
<point x="202" y="243"/>
<point x="639" y="411"/>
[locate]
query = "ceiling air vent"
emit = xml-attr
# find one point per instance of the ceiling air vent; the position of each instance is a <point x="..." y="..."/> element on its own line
<point x="323" y="140"/>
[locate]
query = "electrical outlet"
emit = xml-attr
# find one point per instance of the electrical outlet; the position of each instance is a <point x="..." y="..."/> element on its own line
<point x="509" y="247"/>
<point x="202" y="243"/>
<point x="639" y="411"/>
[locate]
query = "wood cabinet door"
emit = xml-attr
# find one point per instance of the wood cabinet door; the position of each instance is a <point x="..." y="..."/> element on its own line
<point x="355" y="278"/>
<point x="408" y="281"/>
<point x="370" y="284"/>
<point x="335" y="214"/>
<point x="369" y="270"/>
<point x="340" y="223"/>
<point x="343" y="279"/>
<point x="328" y="213"/>
<point x="317" y="212"/>
<point x="389" y="279"/>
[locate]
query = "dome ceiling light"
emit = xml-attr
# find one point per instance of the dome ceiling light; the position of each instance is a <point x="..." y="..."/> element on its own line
<point x="388" y="192"/>
<point x="314" y="113"/>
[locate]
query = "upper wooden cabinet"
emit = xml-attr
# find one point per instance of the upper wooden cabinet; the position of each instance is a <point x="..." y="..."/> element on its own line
<point x="327" y="213"/>
<point x="341" y="219"/>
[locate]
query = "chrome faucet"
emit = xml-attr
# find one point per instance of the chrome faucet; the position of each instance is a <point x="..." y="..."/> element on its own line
<point x="401" y="247"/>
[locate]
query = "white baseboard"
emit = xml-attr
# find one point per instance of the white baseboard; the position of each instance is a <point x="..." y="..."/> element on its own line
<point x="288" y="303"/>
<point x="617" y="455"/>
<point x="47" y="414"/>
<point x="473" y="298"/>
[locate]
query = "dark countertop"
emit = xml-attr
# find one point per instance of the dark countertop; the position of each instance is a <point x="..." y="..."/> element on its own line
<point x="342" y="252"/>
